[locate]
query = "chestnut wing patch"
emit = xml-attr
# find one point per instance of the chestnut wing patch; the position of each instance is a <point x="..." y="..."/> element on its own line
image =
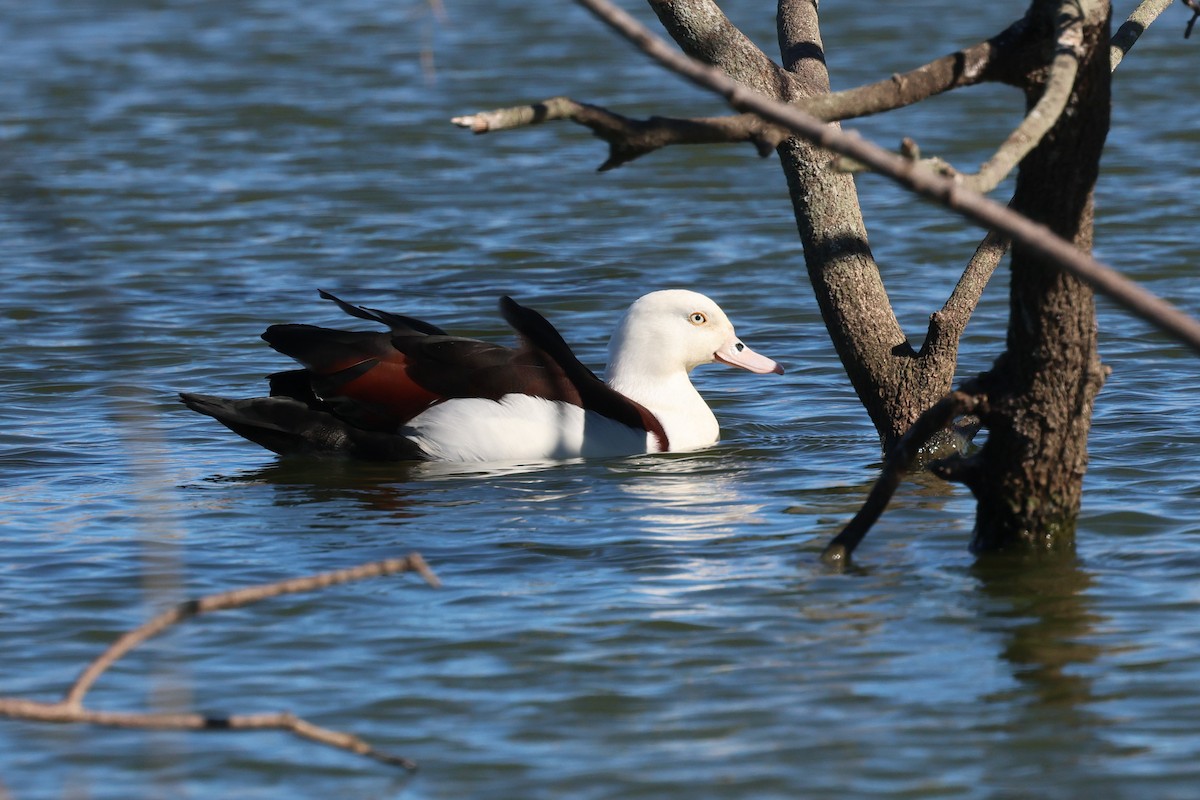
<point x="380" y="380"/>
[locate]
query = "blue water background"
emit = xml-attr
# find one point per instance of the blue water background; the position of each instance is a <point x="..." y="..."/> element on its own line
<point x="175" y="176"/>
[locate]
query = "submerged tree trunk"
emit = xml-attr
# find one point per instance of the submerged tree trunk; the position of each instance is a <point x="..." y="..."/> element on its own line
<point x="1036" y="401"/>
<point x="1028" y="476"/>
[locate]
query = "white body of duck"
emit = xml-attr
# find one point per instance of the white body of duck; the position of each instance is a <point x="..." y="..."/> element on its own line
<point x="418" y="393"/>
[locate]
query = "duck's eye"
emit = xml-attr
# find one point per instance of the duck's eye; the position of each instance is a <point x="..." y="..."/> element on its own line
<point x="698" y="318"/>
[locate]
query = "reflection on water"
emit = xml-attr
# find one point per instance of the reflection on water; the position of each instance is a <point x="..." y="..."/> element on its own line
<point x="176" y="178"/>
<point x="688" y="497"/>
<point x="675" y="498"/>
<point x="314" y="481"/>
<point x="1044" y="595"/>
<point x="1049" y="628"/>
<point x="1073" y="681"/>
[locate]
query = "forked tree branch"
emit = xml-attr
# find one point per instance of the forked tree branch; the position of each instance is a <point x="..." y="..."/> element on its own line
<point x="1059" y="84"/>
<point x="897" y="463"/>
<point x="629" y="138"/>
<point x="915" y="177"/>
<point x="19" y="708"/>
<point x="986" y="61"/>
<point x="1042" y="117"/>
<point x="946" y="326"/>
<point x="71" y="709"/>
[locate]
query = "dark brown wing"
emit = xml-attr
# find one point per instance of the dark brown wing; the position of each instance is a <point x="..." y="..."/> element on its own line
<point x="543" y="342"/>
<point x="380" y="381"/>
<point x="356" y="375"/>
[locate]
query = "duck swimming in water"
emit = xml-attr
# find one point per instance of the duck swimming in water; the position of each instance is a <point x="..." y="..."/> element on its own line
<point x="415" y="392"/>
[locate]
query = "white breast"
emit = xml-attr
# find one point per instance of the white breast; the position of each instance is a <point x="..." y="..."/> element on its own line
<point x="519" y="427"/>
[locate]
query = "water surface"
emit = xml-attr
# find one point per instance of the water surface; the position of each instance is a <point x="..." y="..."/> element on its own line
<point x="178" y="175"/>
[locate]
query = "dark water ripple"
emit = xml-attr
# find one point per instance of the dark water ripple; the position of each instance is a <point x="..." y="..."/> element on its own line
<point x="174" y="177"/>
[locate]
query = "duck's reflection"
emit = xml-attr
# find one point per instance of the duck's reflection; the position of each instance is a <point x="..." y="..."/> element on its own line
<point x="659" y="498"/>
<point x="382" y="487"/>
<point x="686" y="497"/>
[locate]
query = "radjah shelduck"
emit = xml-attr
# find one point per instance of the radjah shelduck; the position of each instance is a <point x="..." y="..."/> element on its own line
<point x="414" y="392"/>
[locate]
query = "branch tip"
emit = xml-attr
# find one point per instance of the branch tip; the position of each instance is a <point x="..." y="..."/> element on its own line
<point x="897" y="463"/>
<point x="835" y="555"/>
<point x="71" y="709"/>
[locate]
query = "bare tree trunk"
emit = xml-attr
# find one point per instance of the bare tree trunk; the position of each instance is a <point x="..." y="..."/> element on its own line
<point x="854" y="304"/>
<point x="1028" y="476"/>
<point x="1037" y="399"/>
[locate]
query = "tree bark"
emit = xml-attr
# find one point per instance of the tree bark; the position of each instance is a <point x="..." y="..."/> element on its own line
<point x="893" y="381"/>
<point x="1028" y="476"/>
<point x="850" y="293"/>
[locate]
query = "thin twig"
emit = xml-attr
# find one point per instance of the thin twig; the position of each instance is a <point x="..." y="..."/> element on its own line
<point x="502" y="119"/>
<point x="915" y="177"/>
<point x="71" y="709"/>
<point x="1195" y="7"/>
<point x="233" y="599"/>
<point x="629" y="138"/>
<point x="934" y="420"/>
<point x="1045" y="113"/>
<point x="1132" y="29"/>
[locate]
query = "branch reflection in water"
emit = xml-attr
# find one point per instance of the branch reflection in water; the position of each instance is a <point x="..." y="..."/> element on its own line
<point x="1040" y="605"/>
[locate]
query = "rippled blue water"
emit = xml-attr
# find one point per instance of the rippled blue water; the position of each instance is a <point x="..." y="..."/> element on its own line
<point x="175" y="176"/>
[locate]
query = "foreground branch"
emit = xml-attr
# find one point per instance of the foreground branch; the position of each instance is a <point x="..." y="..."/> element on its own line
<point x="71" y="709"/>
<point x="897" y="463"/>
<point x="1132" y="29"/>
<point x="61" y="711"/>
<point x="915" y="177"/>
<point x="630" y="138"/>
